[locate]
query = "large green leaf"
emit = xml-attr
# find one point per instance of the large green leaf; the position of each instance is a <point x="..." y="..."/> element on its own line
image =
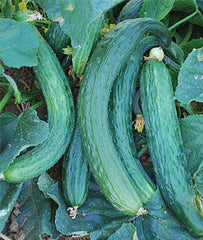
<point x="19" y="133"/>
<point x="127" y="231"/>
<point x="38" y="211"/>
<point x="190" y="78"/>
<point x="108" y="229"/>
<point x="8" y="197"/>
<point x="192" y="132"/>
<point x="18" y="44"/>
<point x="160" y="223"/>
<point x="156" y="9"/>
<point x="81" y="21"/>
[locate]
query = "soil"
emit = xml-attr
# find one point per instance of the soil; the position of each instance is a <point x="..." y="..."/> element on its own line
<point x="25" y="79"/>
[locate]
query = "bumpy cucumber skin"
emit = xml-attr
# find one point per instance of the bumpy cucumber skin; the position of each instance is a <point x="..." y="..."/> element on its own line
<point x="130" y="10"/>
<point x="75" y="172"/>
<point x="165" y="144"/>
<point x="107" y="60"/>
<point x="120" y="118"/>
<point x="60" y="108"/>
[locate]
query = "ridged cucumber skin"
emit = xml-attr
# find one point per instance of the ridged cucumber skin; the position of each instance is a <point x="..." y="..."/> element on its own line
<point x="60" y="108"/>
<point x="120" y="118"/>
<point x="130" y="10"/>
<point x="108" y="58"/>
<point x="75" y="172"/>
<point x="165" y="144"/>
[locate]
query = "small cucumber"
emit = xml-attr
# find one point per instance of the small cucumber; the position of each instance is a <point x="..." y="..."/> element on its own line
<point x="75" y="172"/>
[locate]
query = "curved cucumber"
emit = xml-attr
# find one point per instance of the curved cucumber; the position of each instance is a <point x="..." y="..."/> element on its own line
<point x="60" y="107"/>
<point x="120" y="116"/>
<point x="165" y="144"/>
<point x="75" y="172"/>
<point x="110" y="171"/>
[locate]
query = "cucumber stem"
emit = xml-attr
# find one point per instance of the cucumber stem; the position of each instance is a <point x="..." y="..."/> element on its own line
<point x="184" y="19"/>
<point x="188" y="108"/>
<point x="6" y="98"/>
<point x="4" y="84"/>
<point x="35" y="106"/>
<point x="188" y="35"/>
<point x="142" y="151"/>
<point x="16" y="5"/>
<point x="14" y="86"/>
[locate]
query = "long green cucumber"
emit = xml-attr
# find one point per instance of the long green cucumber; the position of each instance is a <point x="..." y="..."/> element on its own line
<point x="120" y="116"/>
<point x="75" y="172"/>
<point x="60" y="107"/>
<point x="110" y="171"/>
<point x="165" y="144"/>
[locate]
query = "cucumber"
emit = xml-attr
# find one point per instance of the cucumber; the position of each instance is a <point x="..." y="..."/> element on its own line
<point x="111" y="172"/>
<point x="130" y="10"/>
<point x="165" y="144"/>
<point x="60" y="108"/>
<point x="120" y="117"/>
<point x="75" y="172"/>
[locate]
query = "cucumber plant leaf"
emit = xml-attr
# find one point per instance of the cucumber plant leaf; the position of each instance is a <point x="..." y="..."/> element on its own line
<point x="19" y="133"/>
<point x="81" y="21"/>
<point x="18" y="44"/>
<point x="127" y="231"/>
<point x="190" y="78"/>
<point x="192" y="132"/>
<point x="90" y="218"/>
<point x="194" y="43"/>
<point x="93" y="215"/>
<point x="8" y="197"/>
<point x="189" y="7"/>
<point x="160" y="223"/>
<point x="38" y="211"/>
<point x="108" y="229"/>
<point x="156" y="9"/>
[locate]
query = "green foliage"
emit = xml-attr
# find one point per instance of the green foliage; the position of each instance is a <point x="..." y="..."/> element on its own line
<point x="190" y="78"/>
<point x="160" y="222"/>
<point x="8" y="197"/>
<point x="82" y="32"/>
<point x="6" y="8"/>
<point x="18" y="44"/>
<point x="192" y="131"/>
<point x="156" y="9"/>
<point x="38" y="211"/>
<point x="189" y="7"/>
<point x="126" y="231"/>
<point x="19" y="133"/>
